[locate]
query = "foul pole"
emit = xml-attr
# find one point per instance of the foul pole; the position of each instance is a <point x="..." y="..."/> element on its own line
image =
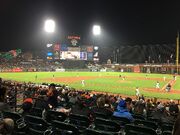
<point x="177" y="52"/>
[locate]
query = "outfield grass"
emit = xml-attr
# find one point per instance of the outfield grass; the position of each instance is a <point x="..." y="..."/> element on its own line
<point x="102" y="81"/>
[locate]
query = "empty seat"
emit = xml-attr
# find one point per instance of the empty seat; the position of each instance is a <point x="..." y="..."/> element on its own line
<point x="35" y="132"/>
<point x="121" y="120"/>
<point x="65" y="128"/>
<point x="106" y="125"/>
<point x="97" y="132"/>
<point x="146" y="123"/>
<point x="167" y="133"/>
<point x="139" y="117"/>
<point x="167" y="127"/>
<point x="100" y="115"/>
<point x="138" y="130"/>
<point x="36" y="123"/>
<point x="81" y="121"/>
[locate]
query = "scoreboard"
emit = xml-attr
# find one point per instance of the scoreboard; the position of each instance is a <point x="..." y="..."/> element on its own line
<point x="72" y="50"/>
<point x="63" y="52"/>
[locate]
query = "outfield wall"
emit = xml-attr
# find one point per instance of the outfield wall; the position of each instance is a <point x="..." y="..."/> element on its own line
<point x="145" y="68"/>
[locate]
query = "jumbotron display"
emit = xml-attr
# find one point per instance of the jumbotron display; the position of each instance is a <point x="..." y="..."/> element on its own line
<point x="72" y="51"/>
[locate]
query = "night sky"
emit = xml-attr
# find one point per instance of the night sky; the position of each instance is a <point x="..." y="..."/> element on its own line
<point x="123" y="22"/>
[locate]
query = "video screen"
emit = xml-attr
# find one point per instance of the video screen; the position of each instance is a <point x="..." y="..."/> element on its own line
<point x="69" y="55"/>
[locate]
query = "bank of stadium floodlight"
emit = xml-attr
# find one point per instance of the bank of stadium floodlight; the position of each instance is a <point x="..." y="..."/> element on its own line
<point x="96" y="30"/>
<point x="49" y="26"/>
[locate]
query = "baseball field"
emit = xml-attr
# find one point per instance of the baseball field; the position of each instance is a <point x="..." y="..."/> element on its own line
<point x="113" y="82"/>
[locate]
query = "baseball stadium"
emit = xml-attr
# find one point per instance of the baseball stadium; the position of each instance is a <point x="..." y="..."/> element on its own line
<point x="77" y="71"/>
<point x="89" y="68"/>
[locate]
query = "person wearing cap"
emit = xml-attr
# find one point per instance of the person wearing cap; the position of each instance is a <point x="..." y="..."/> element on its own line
<point x="122" y="111"/>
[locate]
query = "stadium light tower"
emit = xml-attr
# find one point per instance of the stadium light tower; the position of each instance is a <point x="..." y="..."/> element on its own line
<point x="96" y="30"/>
<point x="49" y="26"/>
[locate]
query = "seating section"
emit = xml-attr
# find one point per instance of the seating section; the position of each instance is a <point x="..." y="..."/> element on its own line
<point x="94" y="116"/>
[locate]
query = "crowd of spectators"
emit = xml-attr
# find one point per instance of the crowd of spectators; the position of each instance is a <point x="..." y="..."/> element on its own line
<point x="7" y="65"/>
<point x="67" y="100"/>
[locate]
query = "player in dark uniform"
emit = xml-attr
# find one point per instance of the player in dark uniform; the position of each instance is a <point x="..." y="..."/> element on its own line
<point x="36" y="77"/>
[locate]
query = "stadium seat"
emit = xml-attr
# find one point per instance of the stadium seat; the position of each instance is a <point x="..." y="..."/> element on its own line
<point x="97" y="132"/>
<point x="139" y="117"/>
<point x="167" y="127"/>
<point x="154" y="119"/>
<point x="35" y="132"/>
<point x="54" y="115"/>
<point x="138" y="130"/>
<point x="12" y="115"/>
<point x="100" y="115"/>
<point x="106" y="125"/>
<point x="121" y="120"/>
<point x="81" y="121"/>
<point x="65" y="128"/>
<point x="146" y="123"/>
<point x="167" y="133"/>
<point x="36" y="123"/>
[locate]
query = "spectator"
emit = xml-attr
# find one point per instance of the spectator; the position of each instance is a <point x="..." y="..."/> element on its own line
<point x="6" y="126"/>
<point x="160" y="114"/>
<point x="27" y="106"/>
<point x="176" y="130"/>
<point x="100" y="108"/>
<point x="3" y="105"/>
<point x="139" y="108"/>
<point x="122" y="111"/>
<point x="173" y="108"/>
<point x="52" y="96"/>
<point x="80" y="108"/>
<point x="129" y="104"/>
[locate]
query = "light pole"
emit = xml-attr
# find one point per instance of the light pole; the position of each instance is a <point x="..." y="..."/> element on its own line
<point x="49" y="26"/>
<point x="96" y="32"/>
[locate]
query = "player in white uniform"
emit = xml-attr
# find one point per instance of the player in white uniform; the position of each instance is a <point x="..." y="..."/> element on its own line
<point x="157" y="85"/>
<point x="137" y="93"/>
<point x="164" y="78"/>
<point x="83" y="83"/>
